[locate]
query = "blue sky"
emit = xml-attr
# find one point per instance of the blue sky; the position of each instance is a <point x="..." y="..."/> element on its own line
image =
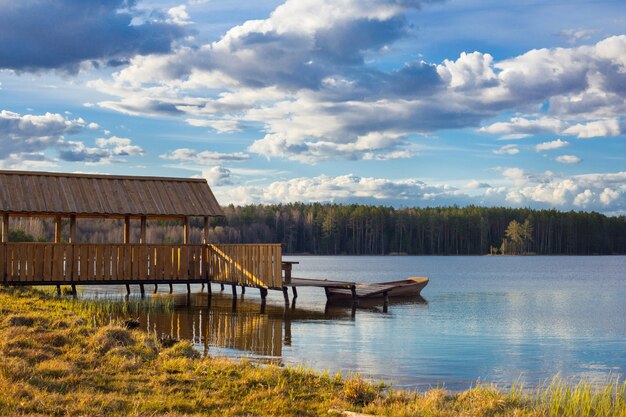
<point x="395" y="102"/>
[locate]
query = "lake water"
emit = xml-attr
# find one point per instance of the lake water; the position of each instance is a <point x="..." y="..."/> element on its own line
<point x="495" y="319"/>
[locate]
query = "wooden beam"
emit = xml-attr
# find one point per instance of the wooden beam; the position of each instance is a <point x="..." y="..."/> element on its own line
<point x="186" y="231"/>
<point x="5" y="227"/>
<point x="142" y="238"/>
<point x="73" y="228"/>
<point x="126" y="229"/>
<point x="57" y="229"/>
<point x="205" y="230"/>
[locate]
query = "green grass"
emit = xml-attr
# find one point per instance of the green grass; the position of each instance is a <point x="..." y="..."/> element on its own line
<point x="56" y="359"/>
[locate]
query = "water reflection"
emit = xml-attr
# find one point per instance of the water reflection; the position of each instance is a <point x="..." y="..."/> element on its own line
<point x="247" y="326"/>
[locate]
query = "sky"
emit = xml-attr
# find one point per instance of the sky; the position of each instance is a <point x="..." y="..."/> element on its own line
<point x="390" y="102"/>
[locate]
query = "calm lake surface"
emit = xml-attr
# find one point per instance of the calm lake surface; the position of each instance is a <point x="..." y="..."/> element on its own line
<point x="496" y="319"/>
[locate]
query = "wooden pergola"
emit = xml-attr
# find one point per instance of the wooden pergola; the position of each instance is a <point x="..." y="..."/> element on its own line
<point x="74" y="196"/>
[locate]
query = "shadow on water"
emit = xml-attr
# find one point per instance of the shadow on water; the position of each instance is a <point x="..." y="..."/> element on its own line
<point x="234" y="326"/>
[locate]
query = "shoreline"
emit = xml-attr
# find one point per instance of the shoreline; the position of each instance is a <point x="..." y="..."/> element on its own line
<point x="57" y="360"/>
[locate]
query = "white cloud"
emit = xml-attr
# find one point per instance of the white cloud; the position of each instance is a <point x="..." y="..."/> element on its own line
<point x="524" y="126"/>
<point x="603" y="192"/>
<point x="568" y="159"/>
<point x="217" y="176"/>
<point x="608" y="127"/>
<point x="120" y="146"/>
<point x="106" y="151"/>
<point x="33" y="133"/>
<point x="474" y="185"/>
<point x="547" y="146"/>
<point x="178" y="16"/>
<point x="608" y="196"/>
<point x="25" y="139"/>
<point x="584" y="198"/>
<point x="507" y="150"/>
<point x="204" y="157"/>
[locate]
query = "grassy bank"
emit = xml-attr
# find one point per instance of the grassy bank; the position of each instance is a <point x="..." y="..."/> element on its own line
<point x="56" y="359"/>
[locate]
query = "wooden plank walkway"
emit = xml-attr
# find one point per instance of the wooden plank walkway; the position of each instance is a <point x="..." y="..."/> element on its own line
<point x="319" y="283"/>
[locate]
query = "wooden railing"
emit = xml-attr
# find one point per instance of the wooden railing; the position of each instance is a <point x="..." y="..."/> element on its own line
<point x="253" y="265"/>
<point x="41" y="263"/>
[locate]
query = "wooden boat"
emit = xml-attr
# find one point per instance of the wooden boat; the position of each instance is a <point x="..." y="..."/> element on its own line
<point x="410" y="287"/>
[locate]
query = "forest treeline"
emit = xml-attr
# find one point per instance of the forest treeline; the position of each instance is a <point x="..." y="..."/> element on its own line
<point x="334" y="229"/>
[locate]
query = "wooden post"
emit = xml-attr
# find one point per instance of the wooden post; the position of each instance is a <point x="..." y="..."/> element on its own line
<point x="171" y="288"/>
<point x="287" y="268"/>
<point x="263" y="293"/>
<point x="188" y="289"/>
<point x="126" y="229"/>
<point x="234" y="291"/>
<point x="186" y="230"/>
<point x="156" y="288"/>
<point x="205" y="231"/>
<point x="73" y="228"/>
<point x="221" y="287"/>
<point x="142" y="238"/>
<point x="127" y="289"/>
<point x="5" y="227"/>
<point x="286" y="295"/>
<point x="57" y="229"/>
<point x="243" y="289"/>
<point x="295" y="292"/>
<point x="142" y="290"/>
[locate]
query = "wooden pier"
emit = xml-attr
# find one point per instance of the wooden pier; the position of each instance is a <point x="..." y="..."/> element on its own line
<point x="133" y="199"/>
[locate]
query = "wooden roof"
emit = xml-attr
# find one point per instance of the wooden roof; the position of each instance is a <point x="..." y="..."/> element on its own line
<point x="47" y="193"/>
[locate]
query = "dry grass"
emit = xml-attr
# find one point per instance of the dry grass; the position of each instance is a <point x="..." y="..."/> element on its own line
<point x="56" y="360"/>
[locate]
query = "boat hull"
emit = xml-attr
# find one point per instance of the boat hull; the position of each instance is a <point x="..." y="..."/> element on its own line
<point x="410" y="287"/>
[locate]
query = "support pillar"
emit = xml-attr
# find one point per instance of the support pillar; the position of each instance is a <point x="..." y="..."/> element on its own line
<point x="58" y="290"/>
<point x="221" y="287"/>
<point x="287" y="268"/>
<point x="171" y="288"/>
<point x="263" y="293"/>
<point x="286" y="295"/>
<point x="295" y="292"/>
<point x="127" y="289"/>
<point x="186" y="230"/>
<point x="243" y="289"/>
<point x="126" y="229"/>
<point x="142" y="290"/>
<point x="188" y="289"/>
<point x="57" y="229"/>
<point x="234" y="291"/>
<point x="385" y="302"/>
<point x="205" y="231"/>
<point x="156" y="288"/>
<point x="5" y="228"/>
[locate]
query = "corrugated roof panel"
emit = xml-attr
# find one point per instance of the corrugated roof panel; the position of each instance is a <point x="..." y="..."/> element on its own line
<point x="25" y="192"/>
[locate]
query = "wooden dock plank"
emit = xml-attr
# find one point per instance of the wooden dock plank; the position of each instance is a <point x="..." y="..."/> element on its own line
<point x="310" y="282"/>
